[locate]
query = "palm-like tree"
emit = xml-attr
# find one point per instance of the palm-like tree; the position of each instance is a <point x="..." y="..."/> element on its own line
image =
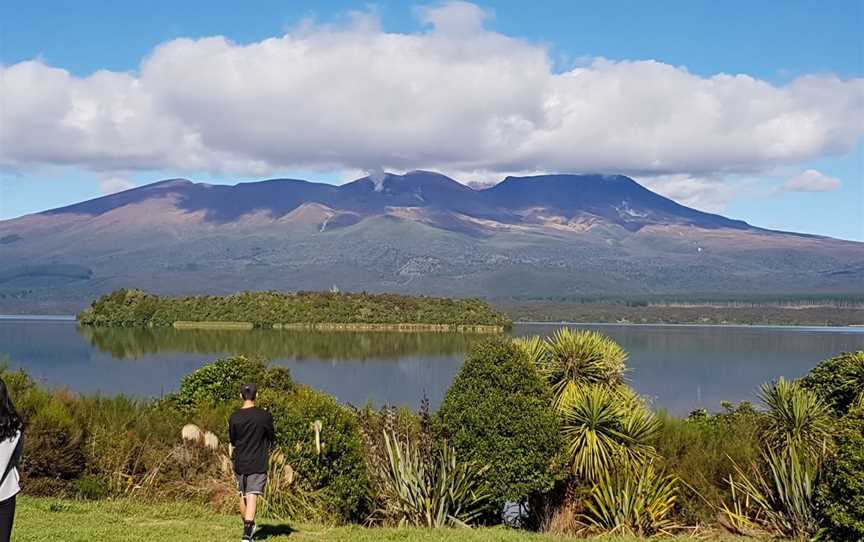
<point x="606" y="428"/>
<point x="573" y="359"/>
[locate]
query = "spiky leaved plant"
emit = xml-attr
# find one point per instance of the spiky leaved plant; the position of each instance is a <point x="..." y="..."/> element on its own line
<point x="797" y="419"/>
<point x="535" y="349"/>
<point x="605" y="428"/>
<point x="575" y="359"/>
<point x="779" y="498"/>
<point x="636" y="502"/>
<point x="429" y="491"/>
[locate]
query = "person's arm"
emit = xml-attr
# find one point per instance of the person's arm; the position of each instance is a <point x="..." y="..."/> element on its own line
<point x="232" y="432"/>
<point x="9" y="452"/>
<point x="271" y="431"/>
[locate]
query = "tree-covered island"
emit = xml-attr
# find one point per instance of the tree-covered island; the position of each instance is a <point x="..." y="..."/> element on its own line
<point x="319" y="310"/>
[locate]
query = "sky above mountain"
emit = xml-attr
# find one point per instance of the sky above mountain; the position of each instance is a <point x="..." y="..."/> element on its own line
<point x="755" y="110"/>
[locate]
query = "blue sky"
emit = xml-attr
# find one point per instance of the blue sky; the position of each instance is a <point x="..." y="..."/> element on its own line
<point x="774" y="43"/>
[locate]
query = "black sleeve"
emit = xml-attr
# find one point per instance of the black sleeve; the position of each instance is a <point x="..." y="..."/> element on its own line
<point x="271" y="431"/>
<point x="232" y="434"/>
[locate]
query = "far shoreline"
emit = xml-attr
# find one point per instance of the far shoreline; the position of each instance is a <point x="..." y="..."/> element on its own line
<point x="70" y="318"/>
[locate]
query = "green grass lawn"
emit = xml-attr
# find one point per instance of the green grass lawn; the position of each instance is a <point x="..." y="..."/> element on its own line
<point x="42" y="520"/>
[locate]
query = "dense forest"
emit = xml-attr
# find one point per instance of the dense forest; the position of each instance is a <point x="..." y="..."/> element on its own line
<point x="134" y="308"/>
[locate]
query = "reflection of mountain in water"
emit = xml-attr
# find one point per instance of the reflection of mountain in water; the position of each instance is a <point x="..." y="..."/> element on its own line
<point x="123" y="343"/>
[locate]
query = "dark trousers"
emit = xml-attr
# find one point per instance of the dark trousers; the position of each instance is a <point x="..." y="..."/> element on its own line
<point x="7" y="516"/>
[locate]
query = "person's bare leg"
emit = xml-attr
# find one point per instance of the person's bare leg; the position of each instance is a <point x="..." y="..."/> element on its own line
<point x="242" y="507"/>
<point x="251" y="503"/>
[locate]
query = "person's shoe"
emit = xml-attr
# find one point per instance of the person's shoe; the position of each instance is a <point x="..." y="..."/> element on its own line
<point x="248" y="530"/>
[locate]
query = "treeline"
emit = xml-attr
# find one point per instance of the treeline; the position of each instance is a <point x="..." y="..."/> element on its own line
<point x="545" y="423"/>
<point x="134" y="308"/>
<point x="840" y="301"/>
<point x="553" y="311"/>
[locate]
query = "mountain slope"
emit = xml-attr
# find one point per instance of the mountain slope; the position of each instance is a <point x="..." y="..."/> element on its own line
<point x="422" y="232"/>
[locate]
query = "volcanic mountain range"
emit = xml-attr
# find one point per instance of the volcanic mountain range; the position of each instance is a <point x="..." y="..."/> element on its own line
<point x="421" y="232"/>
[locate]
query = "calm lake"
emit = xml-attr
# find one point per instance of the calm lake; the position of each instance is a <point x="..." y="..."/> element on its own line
<point x="679" y="367"/>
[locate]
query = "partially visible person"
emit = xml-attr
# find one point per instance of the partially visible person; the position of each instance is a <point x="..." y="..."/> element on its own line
<point x="11" y="443"/>
<point x="252" y="435"/>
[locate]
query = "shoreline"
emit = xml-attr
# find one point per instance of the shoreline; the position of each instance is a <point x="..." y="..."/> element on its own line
<point x="70" y="318"/>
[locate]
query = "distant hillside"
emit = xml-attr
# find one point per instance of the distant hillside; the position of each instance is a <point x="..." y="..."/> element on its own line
<point x="554" y="236"/>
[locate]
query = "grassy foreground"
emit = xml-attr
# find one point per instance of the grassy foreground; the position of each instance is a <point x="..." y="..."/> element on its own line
<point x="42" y="520"/>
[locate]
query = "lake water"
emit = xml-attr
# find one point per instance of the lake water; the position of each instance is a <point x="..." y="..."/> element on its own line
<point x="680" y="368"/>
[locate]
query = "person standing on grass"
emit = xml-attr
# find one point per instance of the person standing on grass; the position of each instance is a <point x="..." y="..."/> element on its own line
<point x="252" y="434"/>
<point x="11" y="443"/>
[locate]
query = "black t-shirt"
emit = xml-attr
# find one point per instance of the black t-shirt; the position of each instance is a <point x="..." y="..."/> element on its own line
<point x="251" y="432"/>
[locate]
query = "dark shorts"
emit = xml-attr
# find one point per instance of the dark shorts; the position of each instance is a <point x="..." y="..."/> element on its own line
<point x="251" y="484"/>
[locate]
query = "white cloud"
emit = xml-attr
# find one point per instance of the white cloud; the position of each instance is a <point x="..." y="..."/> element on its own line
<point x="112" y="185"/>
<point x="710" y="194"/>
<point x="454" y="97"/>
<point x="811" y="181"/>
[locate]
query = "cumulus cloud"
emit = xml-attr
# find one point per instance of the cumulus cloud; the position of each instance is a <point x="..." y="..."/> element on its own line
<point x="710" y="194"/>
<point x="455" y="96"/>
<point x="811" y="181"/>
<point x="112" y="185"/>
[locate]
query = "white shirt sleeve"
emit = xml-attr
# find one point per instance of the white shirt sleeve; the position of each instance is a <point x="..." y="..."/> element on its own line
<point x="10" y="487"/>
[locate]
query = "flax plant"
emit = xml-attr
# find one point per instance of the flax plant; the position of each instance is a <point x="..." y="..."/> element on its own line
<point x="436" y="490"/>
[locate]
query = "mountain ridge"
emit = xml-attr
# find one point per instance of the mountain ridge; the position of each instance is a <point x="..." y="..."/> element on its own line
<point x="421" y="232"/>
<point x="420" y="184"/>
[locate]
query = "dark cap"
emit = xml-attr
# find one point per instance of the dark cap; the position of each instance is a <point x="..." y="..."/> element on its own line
<point x="249" y="392"/>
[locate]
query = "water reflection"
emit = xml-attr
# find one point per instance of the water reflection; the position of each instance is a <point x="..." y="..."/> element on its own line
<point x="123" y="343"/>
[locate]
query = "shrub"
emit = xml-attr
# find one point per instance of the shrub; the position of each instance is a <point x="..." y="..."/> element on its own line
<point x="702" y="449"/>
<point x="126" y="439"/>
<point x="840" y="495"/>
<point x="338" y="470"/>
<point x="220" y="381"/>
<point x="284" y="499"/>
<point x="54" y="438"/>
<point x="431" y="490"/>
<point x="497" y="412"/>
<point x="839" y="381"/>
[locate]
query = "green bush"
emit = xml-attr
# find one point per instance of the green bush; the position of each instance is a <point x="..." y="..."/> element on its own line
<point x="54" y="437"/>
<point x="338" y="471"/>
<point x="220" y="381"/>
<point x="840" y="496"/>
<point x="701" y="451"/>
<point x="839" y="381"/>
<point x="497" y="413"/>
